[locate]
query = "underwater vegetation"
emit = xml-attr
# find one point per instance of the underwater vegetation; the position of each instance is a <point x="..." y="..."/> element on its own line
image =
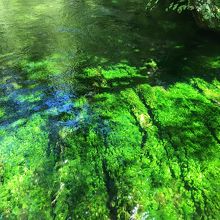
<point x="125" y="150"/>
<point x="108" y="111"/>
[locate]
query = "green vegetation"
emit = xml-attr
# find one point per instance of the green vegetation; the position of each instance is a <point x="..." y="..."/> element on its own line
<point x="108" y="111"/>
<point x="145" y="152"/>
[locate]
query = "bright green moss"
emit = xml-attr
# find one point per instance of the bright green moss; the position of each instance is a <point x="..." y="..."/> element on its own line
<point x="120" y="70"/>
<point x="117" y="71"/>
<point x="174" y="121"/>
<point x="25" y="192"/>
<point x="138" y="151"/>
<point x="81" y="181"/>
<point x="210" y="90"/>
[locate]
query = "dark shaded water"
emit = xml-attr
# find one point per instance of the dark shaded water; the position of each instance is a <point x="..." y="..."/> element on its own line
<point x="77" y="32"/>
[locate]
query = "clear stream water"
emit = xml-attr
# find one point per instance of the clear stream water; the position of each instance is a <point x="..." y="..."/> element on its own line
<point x="74" y="35"/>
<point x="44" y="48"/>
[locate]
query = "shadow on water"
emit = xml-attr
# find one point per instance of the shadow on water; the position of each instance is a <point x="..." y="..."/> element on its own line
<point x="197" y="57"/>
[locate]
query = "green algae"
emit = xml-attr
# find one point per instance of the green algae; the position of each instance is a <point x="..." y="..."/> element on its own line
<point x="180" y="122"/>
<point x="146" y="152"/>
<point x="177" y="122"/>
<point x="25" y="190"/>
<point x="40" y="70"/>
<point x="89" y="126"/>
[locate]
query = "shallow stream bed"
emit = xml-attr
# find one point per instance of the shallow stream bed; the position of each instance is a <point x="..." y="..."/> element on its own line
<point x="107" y="112"/>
